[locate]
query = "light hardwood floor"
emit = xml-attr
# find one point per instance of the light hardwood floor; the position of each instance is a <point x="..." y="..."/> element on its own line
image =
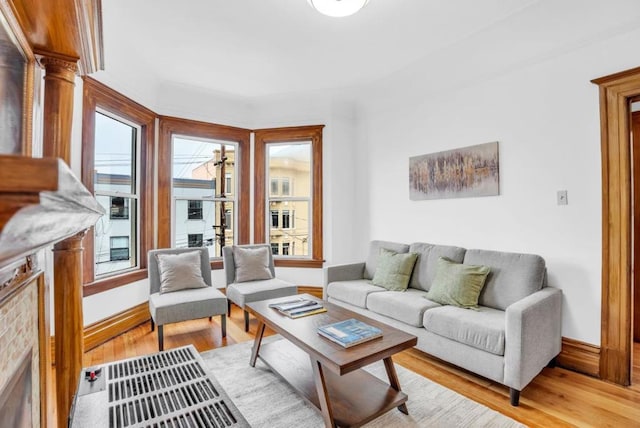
<point x="556" y="398"/>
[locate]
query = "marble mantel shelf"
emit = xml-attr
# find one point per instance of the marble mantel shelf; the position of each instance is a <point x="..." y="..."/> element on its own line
<point x="41" y="203"/>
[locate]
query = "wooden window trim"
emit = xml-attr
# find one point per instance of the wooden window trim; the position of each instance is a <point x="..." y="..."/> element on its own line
<point x="293" y="134"/>
<point x="97" y="95"/>
<point x="173" y="125"/>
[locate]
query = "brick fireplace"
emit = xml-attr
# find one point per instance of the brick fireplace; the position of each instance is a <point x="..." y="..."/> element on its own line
<point x="23" y="347"/>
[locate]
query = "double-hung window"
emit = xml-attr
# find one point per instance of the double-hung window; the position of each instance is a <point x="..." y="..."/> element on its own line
<point x="116" y="189"/>
<point x="288" y="211"/>
<point x="203" y="186"/>
<point x="202" y="172"/>
<point x="117" y="166"/>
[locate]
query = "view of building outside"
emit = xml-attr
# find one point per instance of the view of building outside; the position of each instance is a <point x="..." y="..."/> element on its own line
<point x="115" y="233"/>
<point x="289" y="182"/>
<point x="204" y="193"/>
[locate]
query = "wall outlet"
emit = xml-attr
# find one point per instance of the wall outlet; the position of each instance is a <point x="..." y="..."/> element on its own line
<point x="562" y="197"/>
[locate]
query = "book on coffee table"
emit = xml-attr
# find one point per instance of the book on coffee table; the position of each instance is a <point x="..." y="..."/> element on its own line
<point x="287" y="305"/>
<point x="349" y="332"/>
<point x="297" y="308"/>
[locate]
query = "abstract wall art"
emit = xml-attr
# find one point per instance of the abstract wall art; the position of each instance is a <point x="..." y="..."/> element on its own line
<point x="460" y="173"/>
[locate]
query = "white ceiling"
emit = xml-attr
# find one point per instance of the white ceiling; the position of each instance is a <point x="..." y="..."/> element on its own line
<point x="257" y="48"/>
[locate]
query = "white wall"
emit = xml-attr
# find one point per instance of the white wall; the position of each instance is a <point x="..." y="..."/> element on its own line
<point x="546" y="119"/>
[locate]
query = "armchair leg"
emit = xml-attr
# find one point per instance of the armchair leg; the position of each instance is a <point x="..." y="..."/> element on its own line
<point x="223" y="325"/>
<point x="228" y="307"/>
<point x="552" y="363"/>
<point x="161" y="337"/>
<point x="153" y="325"/>
<point x="246" y="321"/>
<point x="210" y="318"/>
<point x="514" y="396"/>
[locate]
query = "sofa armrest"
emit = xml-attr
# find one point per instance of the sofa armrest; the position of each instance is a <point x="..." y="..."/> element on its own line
<point x="346" y="272"/>
<point x="532" y="336"/>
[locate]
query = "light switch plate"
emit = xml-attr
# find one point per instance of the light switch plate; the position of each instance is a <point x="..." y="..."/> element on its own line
<point x="562" y="197"/>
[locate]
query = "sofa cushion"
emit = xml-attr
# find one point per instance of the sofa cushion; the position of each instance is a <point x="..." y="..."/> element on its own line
<point x="482" y="329"/>
<point x="406" y="306"/>
<point x="353" y="292"/>
<point x="513" y="276"/>
<point x="394" y="270"/>
<point x="374" y="252"/>
<point x="427" y="263"/>
<point x="457" y="284"/>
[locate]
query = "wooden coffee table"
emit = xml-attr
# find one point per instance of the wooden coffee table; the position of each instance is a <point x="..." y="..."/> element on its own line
<point x="327" y="375"/>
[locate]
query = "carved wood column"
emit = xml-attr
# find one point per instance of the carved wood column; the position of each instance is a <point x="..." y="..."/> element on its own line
<point x="67" y="277"/>
<point x="59" y="82"/>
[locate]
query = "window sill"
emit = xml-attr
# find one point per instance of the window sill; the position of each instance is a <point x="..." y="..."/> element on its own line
<point x="112" y="282"/>
<point x="299" y="263"/>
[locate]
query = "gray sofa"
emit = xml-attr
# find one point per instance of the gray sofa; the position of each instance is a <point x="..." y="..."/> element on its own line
<point x="510" y="339"/>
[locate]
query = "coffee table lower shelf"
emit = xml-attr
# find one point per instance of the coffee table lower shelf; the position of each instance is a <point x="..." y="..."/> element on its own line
<point x="355" y="398"/>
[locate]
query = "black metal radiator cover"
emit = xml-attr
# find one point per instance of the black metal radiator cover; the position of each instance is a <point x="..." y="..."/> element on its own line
<point x="164" y="390"/>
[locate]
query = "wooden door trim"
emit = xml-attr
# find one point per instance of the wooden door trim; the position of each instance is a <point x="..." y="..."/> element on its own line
<point x="616" y="342"/>
<point x="635" y="126"/>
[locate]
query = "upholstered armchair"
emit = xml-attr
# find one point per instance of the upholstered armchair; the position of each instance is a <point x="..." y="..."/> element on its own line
<point x="250" y="277"/>
<point x="181" y="289"/>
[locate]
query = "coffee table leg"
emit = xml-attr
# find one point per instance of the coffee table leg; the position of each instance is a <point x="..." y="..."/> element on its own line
<point x="393" y="381"/>
<point x="323" y="395"/>
<point x="256" y="344"/>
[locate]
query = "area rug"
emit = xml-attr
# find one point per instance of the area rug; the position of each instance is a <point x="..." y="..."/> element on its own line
<point x="266" y="400"/>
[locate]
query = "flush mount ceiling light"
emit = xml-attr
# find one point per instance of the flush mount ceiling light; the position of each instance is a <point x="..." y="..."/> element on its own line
<point x="338" y="8"/>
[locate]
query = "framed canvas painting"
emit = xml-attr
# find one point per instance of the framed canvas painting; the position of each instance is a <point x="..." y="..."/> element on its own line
<point x="459" y="173"/>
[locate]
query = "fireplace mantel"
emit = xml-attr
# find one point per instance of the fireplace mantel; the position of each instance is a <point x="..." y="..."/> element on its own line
<point x="41" y="203"/>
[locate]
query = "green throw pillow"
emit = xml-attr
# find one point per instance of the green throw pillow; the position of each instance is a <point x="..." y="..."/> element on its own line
<point x="457" y="284"/>
<point x="394" y="269"/>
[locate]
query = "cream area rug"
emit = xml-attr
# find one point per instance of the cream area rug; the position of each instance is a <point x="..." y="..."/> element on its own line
<point x="266" y="400"/>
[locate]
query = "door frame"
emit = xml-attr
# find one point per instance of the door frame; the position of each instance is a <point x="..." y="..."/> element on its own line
<point x="616" y="91"/>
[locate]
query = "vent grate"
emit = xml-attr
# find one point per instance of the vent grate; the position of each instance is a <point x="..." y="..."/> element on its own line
<point x="154" y="381"/>
<point x="163" y="390"/>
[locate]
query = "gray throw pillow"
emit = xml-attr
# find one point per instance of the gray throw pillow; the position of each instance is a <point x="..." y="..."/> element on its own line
<point x="180" y="271"/>
<point x="252" y="264"/>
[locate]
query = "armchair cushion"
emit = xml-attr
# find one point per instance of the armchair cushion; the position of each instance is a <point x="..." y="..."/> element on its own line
<point x="251" y="263"/>
<point x="252" y="291"/>
<point x="186" y="305"/>
<point x="394" y="270"/>
<point x="180" y="271"/>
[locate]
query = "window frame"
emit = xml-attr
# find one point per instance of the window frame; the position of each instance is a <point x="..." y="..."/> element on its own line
<point x="264" y="137"/>
<point x="98" y="97"/>
<point x="173" y="126"/>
